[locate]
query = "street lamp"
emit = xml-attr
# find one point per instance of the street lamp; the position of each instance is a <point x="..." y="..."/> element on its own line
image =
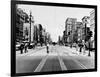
<point x="30" y="25"/>
<point x="85" y="20"/>
<point x="89" y="49"/>
<point x="85" y="32"/>
<point x="90" y="35"/>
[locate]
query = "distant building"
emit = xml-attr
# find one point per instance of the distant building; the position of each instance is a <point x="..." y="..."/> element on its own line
<point x="35" y="33"/>
<point x="44" y="35"/>
<point x="40" y="35"/>
<point x="48" y="37"/>
<point x="59" y="40"/>
<point x="92" y="27"/>
<point x="64" y="37"/>
<point x="40" y="28"/>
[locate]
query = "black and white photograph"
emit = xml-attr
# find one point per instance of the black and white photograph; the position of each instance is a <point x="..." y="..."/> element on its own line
<point x="54" y="39"/>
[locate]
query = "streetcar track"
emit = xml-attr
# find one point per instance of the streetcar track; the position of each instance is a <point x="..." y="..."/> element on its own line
<point x="76" y="61"/>
<point x="62" y="65"/>
<point x="41" y="64"/>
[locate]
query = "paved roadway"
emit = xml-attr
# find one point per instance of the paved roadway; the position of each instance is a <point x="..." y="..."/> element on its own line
<point x="59" y="58"/>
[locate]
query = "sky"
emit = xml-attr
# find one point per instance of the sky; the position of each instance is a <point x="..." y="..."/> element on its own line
<point x="53" y="18"/>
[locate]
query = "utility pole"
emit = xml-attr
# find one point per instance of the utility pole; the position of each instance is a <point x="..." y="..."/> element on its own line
<point x="30" y="26"/>
<point x="89" y="48"/>
<point x="85" y="31"/>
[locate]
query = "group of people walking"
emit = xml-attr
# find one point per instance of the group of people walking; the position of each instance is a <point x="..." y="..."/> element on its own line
<point x="82" y="47"/>
<point x="23" y="47"/>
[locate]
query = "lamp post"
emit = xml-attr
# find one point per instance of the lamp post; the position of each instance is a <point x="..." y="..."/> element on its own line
<point x="89" y="49"/>
<point x="85" y="31"/>
<point x="90" y="35"/>
<point x="30" y="26"/>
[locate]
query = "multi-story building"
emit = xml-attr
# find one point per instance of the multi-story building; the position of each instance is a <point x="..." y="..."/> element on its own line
<point x="48" y="38"/>
<point x="78" y="32"/>
<point x="92" y="27"/>
<point x="86" y="23"/>
<point x="35" y="33"/>
<point x="21" y="18"/>
<point x="44" y="35"/>
<point x="59" y="40"/>
<point x="64" y="37"/>
<point x="40" y="28"/>
<point x="70" y="27"/>
<point x="26" y="31"/>
<point x="40" y="35"/>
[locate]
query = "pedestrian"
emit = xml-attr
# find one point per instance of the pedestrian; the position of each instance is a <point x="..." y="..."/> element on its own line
<point x="21" y="48"/>
<point x="80" y="45"/>
<point x="83" y="43"/>
<point x="76" y="47"/>
<point x="84" y="48"/>
<point x="70" y="45"/>
<point x="80" y="49"/>
<point x="89" y="49"/>
<point x="26" y="48"/>
<point x="47" y="48"/>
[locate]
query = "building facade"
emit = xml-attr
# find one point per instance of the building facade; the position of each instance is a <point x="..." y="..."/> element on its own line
<point x="79" y="35"/>
<point x="92" y="27"/>
<point x="70" y="27"/>
<point x="21" y="18"/>
<point x="26" y="31"/>
<point x="40" y="35"/>
<point x="86" y="25"/>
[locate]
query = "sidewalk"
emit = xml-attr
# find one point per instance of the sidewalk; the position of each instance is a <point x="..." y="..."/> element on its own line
<point x="29" y="51"/>
<point x="73" y="52"/>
